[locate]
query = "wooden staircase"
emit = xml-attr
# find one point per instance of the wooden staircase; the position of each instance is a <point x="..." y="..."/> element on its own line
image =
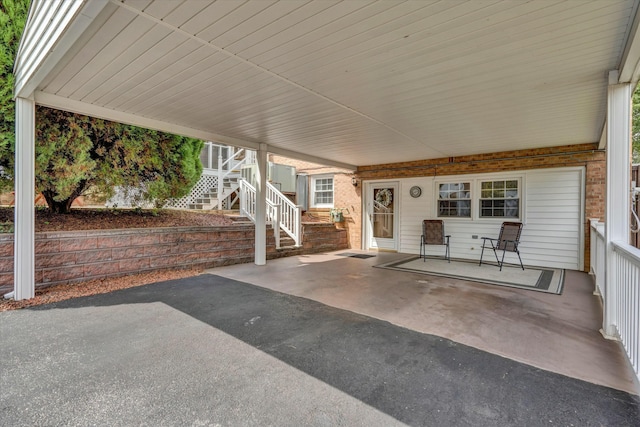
<point x="210" y="200"/>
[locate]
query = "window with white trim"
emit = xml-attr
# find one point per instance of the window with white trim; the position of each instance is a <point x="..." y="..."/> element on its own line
<point x="454" y="199"/>
<point x="322" y="191"/>
<point x="500" y="198"/>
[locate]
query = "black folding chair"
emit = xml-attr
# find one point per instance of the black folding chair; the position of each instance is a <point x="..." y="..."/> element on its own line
<point x="507" y="241"/>
<point x="433" y="234"/>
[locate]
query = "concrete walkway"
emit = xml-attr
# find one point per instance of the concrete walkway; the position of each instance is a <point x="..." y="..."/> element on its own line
<point x="212" y="351"/>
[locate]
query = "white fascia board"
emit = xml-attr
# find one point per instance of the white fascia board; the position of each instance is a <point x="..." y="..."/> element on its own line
<point x="603" y="138"/>
<point x="310" y="158"/>
<point x="66" y="104"/>
<point x="55" y="48"/>
<point x="630" y="63"/>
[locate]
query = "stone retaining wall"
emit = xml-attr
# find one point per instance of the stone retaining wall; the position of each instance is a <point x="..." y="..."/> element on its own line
<point x="77" y="256"/>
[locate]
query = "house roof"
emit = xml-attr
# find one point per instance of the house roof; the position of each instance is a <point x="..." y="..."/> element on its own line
<point x="345" y="82"/>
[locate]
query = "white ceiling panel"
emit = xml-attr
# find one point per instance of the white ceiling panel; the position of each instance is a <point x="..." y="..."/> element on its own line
<point x="360" y="82"/>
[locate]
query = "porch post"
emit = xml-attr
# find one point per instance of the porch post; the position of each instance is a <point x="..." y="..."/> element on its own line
<point x="24" y="220"/>
<point x="617" y="198"/>
<point x="220" y="188"/>
<point x="261" y="207"/>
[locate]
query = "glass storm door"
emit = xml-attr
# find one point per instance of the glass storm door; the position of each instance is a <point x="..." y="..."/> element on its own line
<point x="382" y="202"/>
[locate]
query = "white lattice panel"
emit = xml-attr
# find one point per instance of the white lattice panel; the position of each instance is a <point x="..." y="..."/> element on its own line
<point x="204" y="185"/>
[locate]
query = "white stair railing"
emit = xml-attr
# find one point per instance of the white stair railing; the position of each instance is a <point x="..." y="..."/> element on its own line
<point x="247" y="200"/>
<point x="290" y="214"/>
<point x="225" y="168"/>
<point x="281" y="211"/>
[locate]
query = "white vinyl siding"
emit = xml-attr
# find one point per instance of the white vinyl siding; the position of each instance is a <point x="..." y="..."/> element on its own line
<point x="553" y="231"/>
<point x="550" y="208"/>
<point x="412" y="212"/>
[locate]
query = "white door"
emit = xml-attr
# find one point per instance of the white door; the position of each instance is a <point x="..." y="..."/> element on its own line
<point x="382" y="218"/>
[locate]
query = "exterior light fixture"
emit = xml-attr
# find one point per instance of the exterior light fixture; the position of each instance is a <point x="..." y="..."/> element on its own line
<point x="354" y="181"/>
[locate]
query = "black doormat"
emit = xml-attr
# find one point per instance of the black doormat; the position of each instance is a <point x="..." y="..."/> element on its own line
<point x="354" y="255"/>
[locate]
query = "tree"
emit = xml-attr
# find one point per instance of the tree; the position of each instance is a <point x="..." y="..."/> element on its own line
<point x="635" y="133"/>
<point x="13" y="14"/>
<point x="76" y="152"/>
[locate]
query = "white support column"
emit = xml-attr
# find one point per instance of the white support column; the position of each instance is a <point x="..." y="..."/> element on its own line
<point x="618" y="186"/>
<point x="261" y="207"/>
<point x="220" y="189"/>
<point x="24" y="220"/>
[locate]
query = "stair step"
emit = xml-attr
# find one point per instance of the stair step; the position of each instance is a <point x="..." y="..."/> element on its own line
<point x="288" y="248"/>
<point x="240" y="219"/>
<point x="286" y="241"/>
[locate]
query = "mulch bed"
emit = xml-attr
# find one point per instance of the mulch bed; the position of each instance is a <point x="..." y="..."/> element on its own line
<point x="106" y="219"/>
<point x="57" y="293"/>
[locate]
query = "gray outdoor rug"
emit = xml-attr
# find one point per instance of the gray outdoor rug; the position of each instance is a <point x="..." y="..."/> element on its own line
<point x="540" y="279"/>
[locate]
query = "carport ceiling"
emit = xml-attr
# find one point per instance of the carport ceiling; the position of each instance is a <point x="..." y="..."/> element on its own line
<point x="359" y="82"/>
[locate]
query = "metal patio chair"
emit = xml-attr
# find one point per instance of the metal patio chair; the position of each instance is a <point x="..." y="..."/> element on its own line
<point x="507" y="241"/>
<point x="433" y="234"/>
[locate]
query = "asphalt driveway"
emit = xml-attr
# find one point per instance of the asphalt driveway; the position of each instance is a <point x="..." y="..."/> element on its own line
<point x="209" y="351"/>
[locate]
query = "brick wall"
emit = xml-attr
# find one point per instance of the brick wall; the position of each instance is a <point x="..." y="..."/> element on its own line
<point x="586" y="155"/>
<point x="345" y="195"/>
<point x="77" y="256"/>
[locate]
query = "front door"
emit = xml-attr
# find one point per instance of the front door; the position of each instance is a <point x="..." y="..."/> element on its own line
<point x="382" y="206"/>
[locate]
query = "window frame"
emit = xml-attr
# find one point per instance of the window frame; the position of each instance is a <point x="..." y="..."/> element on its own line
<point x="313" y="191"/>
<point x="476" y="181"/>
<point x="454" y="181"/>
<point x="493" y="179"/>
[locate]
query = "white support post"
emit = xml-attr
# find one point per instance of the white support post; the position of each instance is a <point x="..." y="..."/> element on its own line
<point x="24" y="219"/>
<point x="276" y="224"/>
<point x="617" y="199"/>
<point x="261" y="207"/>
<point x="220" y="189"/>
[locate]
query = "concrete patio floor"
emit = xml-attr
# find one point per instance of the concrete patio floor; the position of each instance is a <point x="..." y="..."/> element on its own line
<point x="557" y="333"/>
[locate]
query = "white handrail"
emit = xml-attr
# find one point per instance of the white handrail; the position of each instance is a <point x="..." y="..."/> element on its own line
<point x="625" y="292"/>
<point x="273" y="212"/>
<point x="598" y="256"/>
<point x="291" y="215"/>
<point x="230" y="158"/>
<point x="247" y="200"/>
<point x="222" y="174"/>
<point x="280" y="210"/>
